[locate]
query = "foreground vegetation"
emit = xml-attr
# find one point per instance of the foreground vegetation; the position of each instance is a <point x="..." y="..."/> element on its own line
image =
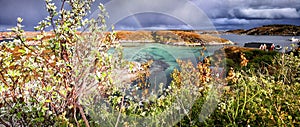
<point x="70" y="79"/>
<point x="257" y="96"/>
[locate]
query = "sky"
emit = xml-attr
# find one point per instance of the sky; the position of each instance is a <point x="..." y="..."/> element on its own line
<point x="223" y="14"/>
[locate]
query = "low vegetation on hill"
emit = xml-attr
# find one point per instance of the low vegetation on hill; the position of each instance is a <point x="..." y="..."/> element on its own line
<point x="165" y="37"/>
<point x="277" y="29"/>
<point x="170" y="37"/>
<point x="256" y="57"/>
<point x="134" y="36"/>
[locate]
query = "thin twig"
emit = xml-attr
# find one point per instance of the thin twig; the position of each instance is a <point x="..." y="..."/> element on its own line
<point x="75" y="117"/>
<point x="119" y="115"/>
<point x="2" y="79"/>
<point x="80" y="109"/>
<point x="83" y="116"/>
<point x="4" y="123"/>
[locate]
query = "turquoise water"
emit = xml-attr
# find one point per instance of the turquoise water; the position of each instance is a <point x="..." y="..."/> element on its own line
<point x="164" y="57"/>
<point x="165" y="53"/>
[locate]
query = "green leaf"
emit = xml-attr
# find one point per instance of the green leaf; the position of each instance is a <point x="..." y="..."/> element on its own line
<point x="44" y="108"/>
<point x="19" y="19"/>
<point x="22" y="51"/>
<point x="48" y="88"/>
<point x="104" y="74"/>
<point x="39" y="37"/>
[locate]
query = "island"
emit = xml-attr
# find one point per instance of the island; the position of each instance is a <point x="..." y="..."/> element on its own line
<point x="174" y="37"/>
<point x="271" y="30"/>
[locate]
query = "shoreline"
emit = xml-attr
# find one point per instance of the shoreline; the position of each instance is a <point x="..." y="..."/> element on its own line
<point x="178" y="43"/>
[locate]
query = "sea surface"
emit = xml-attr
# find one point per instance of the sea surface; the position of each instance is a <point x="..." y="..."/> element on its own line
<point x="164" y="56"/>
<point x="240" y="40"/>
<point x="169" y="53"/>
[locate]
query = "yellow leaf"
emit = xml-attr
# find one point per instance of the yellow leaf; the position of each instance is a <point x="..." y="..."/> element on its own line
<point x="48" y="101"/>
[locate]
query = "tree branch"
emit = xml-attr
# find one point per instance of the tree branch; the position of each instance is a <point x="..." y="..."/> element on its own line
<point x="80" y="109"/>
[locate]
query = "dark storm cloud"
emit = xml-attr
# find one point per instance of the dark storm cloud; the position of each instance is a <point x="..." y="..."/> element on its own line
<point x="245" y="8"/>
<point x="254" y="12"/>
<point x="274" y="3"/>
<point x="227" y="21"/>
<point x="221" y="12"/>
<point x="149" y="21"/>
<point x="274" y="13"/>
<point x="31" y="11"/>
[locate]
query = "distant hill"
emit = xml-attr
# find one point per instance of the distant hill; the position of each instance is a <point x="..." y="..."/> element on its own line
<point x="183" y="38"/>
<point x="180" y="38"/>
<point x="272" y="30"/>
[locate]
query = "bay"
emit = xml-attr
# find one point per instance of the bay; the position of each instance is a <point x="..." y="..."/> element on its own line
<point x="165" y="56"/>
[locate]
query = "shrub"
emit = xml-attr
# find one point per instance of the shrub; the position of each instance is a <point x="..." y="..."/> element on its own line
<point x="40" y="84"/>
